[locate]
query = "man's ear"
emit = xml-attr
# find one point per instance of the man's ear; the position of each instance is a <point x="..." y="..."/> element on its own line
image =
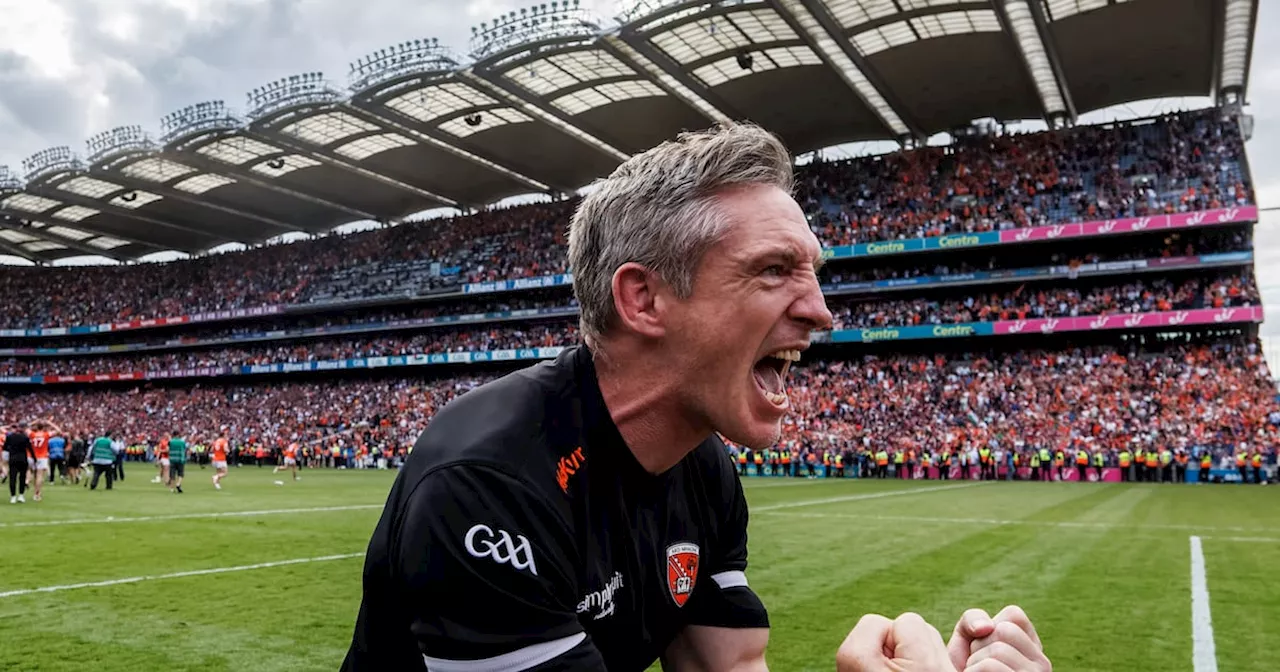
<point x="636" y="299"/>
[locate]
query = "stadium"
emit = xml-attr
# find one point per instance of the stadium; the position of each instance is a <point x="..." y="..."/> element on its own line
<point x="1059" y="319"/>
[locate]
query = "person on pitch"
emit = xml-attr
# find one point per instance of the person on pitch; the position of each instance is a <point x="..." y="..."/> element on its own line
<point x="220" y="449"/>
<point x="20" y="455"/>
<point x="583" y="514"/>
<point x="290" y="461"/>
<point x="177" y="461"/>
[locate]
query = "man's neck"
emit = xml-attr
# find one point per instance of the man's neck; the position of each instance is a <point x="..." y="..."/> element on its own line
<point x="644" y="406"/>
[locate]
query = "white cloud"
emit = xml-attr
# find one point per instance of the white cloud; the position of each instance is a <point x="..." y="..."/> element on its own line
<point x="72" y="68"/>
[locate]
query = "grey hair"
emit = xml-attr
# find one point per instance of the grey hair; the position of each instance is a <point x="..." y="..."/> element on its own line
<point x="658" y="209"/>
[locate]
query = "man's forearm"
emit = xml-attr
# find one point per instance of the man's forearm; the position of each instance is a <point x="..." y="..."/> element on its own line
<point x="712" y="649"/>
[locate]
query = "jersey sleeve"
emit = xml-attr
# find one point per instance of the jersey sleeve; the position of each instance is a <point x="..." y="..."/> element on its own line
<point x="473" y="572"/>
<point x="724" y="598"/>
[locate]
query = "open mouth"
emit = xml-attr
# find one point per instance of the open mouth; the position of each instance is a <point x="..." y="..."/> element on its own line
<point x="770" y="373"/>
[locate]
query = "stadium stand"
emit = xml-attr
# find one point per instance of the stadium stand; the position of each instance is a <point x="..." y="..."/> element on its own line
<point x="489" y="288"/>
<point x="1180" y="163"/>
<point x="1221" y="291"/>
<point x="1173" y="164"/>
<point x="1022" y="303"/>
<point x="1210" y="395"/>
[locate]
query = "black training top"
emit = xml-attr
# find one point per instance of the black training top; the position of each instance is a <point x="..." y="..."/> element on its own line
<point x="522" y="534"/>
<point x="18" y="445"/>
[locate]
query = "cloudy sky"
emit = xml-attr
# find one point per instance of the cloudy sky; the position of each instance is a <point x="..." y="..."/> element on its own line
<point x="71" y="68"/>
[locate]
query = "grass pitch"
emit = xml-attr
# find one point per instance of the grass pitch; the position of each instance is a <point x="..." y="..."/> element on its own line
<point x="268" y="577"/>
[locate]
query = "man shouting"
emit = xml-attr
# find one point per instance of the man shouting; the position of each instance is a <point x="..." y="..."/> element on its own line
<point x="583" y="514"/>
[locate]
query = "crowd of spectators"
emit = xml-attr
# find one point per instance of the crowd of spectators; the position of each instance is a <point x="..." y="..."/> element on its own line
<point x="443" y="340"/>
<point x="1190" y="394"/>
<point x="1027" y="301"/>
<point x="1107" y="397"/>
<point x="1041" y="301"/>
<point x="522" y="241"/>
<point x="1181" y="162"/>
<point x="1177" y="163"/>
<point x="276" y="327"/>
<point x="387" y="413"/>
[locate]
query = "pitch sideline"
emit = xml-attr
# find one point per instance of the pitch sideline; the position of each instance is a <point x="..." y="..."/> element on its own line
<point x="186" y="516"/>
<point x="854" y="498"/>
<point x="176" y="575"/>
<point x="1203" y="656"/>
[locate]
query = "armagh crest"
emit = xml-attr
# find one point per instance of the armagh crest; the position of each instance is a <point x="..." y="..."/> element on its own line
<point x="682" y="571"/>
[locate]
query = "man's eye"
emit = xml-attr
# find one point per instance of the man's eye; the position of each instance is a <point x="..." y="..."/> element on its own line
<point x="776" y="270"/>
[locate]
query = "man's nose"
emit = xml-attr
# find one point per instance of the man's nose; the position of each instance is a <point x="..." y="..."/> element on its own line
<point x="811" y="308"/>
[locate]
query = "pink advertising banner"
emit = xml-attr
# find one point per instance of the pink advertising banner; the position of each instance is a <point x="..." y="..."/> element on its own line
<point x="1179" y="220"/>
<point x="1069" y="473"/>
<point x="1170" y="318"/>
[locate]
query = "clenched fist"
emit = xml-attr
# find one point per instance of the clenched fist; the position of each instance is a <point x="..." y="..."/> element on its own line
<point x="1006" y="643"/>
<point x="979" y="643"/>
<point x="905" y="644"/>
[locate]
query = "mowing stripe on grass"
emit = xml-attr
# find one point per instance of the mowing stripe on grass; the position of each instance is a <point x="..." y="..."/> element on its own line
<point x="1036" y="523"/>
<point x="1203" y="656"/>
<point x="748" y="485"/>
<point x="178" y="575"/>
<point x="854" y="498"/>
<point x="185" y="516"/>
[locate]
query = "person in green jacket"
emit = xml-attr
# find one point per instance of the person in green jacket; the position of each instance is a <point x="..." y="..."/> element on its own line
<point x="103" y="458"/>
<point x="177" y="461"/>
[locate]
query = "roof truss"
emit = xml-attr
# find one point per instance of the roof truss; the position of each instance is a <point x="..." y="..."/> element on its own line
<point x="21" y="229"/>
<point x="234" y="156"/>
<point x="824" y="35"/>
<point x="530" y="107"/>
<point x="99" y="194"/>
<point x="664" y="72"/>
<point x="1025" y="24"/>
<point x="1239" y="19"/>
<point x="270" y="130"/>
<point x="193" y="184"/>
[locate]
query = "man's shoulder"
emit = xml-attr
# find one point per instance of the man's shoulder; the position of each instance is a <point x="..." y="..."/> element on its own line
<point x="512" y="424"/>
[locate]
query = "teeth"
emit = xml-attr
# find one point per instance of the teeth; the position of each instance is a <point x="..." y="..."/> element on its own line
<point x="776" y="399"/>
<point x="787" y="355"/>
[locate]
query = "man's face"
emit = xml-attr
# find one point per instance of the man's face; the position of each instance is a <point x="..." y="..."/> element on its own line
<point x="755" y="301"/>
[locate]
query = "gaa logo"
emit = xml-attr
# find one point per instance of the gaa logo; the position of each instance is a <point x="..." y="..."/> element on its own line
<point x="504" y="550"/>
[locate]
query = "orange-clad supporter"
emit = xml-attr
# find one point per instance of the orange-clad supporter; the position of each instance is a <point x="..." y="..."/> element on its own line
<point x="39" y="433"/>
<point x="162" y="459"/>
<point x="220" y="449"/>
<point x="290" y="460"/>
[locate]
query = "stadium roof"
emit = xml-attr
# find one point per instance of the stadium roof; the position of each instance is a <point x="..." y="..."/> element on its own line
<point x="549" y="100"/>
